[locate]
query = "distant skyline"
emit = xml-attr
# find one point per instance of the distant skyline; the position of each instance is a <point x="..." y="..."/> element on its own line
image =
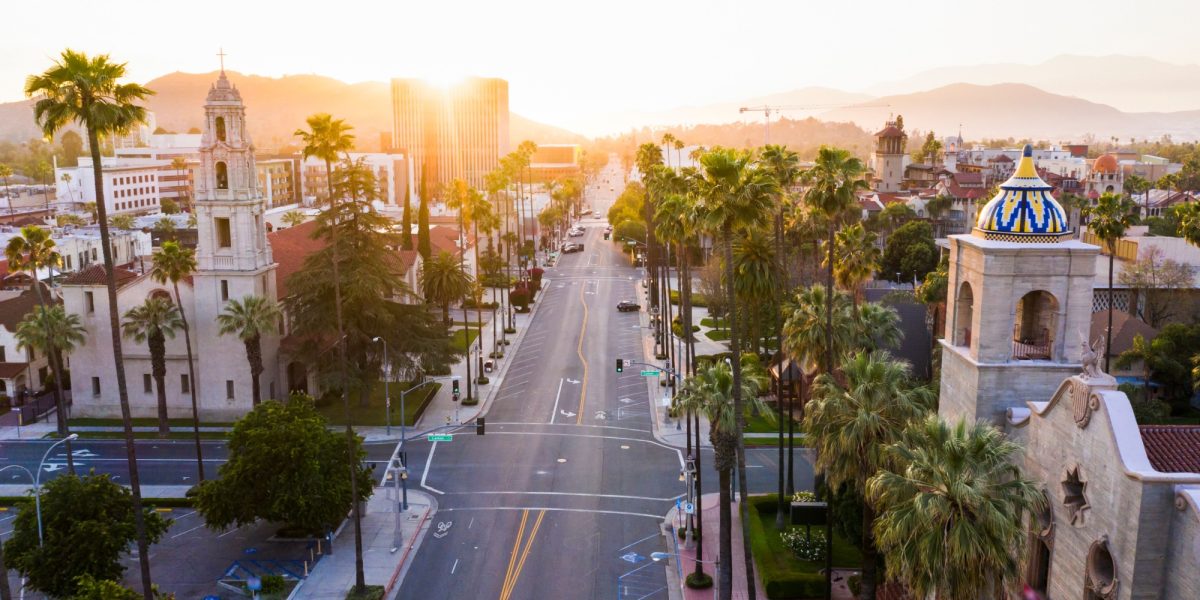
<point x="567" y="64"/>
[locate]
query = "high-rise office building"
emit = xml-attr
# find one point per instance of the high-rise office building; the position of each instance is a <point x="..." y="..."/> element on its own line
<point x="455" y="132"/>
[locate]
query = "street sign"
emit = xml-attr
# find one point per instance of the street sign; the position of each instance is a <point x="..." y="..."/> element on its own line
<point x="441" y="437"/>
<point x="650" y="373"/>
<point x="689" y="508"/>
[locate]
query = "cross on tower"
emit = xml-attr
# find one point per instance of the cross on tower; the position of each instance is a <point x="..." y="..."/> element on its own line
<point x="221" y="54"/>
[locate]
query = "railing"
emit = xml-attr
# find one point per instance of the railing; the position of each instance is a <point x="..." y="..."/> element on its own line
<point x="1032" y="348"/>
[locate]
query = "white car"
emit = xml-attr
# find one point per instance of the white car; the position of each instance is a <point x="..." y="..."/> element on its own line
<point x="575" y="233"/>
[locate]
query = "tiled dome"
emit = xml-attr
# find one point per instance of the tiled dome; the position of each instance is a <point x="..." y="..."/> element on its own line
<point x="1024" y="210"/>
<point x="1105" y="164"/>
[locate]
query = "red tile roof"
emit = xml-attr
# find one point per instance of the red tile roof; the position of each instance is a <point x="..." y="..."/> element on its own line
<point x="444" y="239"/>
<point x="289" y="248"/>
<point x="890" y="131"/>
<point x="1173" y="448"/>
<point x="14" y="309"/>
<point x="11" y="370"/>
<point x="97" y="275"/>
<point x="964" y="178"/>
<point x="889" y="199"/>
<point x="1125" y="328"/>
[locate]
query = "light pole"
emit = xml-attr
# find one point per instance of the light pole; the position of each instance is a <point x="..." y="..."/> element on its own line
<point x="387" y="375"/>
<point x="661" y="556"/>
<point x="37" y="481"/>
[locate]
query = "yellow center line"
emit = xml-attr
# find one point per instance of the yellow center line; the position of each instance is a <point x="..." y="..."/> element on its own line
<point x="512" y="559"/>
<point x="579" y="351"/>
<point x="512" y="583"/>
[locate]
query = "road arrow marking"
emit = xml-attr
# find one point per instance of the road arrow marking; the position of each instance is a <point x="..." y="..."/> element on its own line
<point x="626" y="400"/>
<point x="601" y="415"/>
<point x="52" y="467"/>
<point x="574" y="381"/>
<point x="566" y="413"/>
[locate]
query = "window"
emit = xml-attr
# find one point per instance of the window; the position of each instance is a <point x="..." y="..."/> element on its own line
<point x="224" y="290"/>
<point x="229" y="389"/>
<point x="95" y="386"/>
<point x="220" y="127"/>
<point x="147" y="384"/>
<point x="222" y="176"/>
<point x="2" y="357"/>
<point x="185" y="386"/>
<point x="224" y="235"/>
<point x="93" y="254"/>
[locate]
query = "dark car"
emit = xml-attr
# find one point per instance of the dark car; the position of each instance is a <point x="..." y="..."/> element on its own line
<point x="628" y="306"/>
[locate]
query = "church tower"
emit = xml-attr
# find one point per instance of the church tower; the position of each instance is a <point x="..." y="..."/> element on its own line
<point x="1019" y="302"/>
<point x="232" y="254"/>
<point x="888" y="159"/>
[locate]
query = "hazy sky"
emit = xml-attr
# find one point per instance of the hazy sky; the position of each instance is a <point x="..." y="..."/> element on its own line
<point x="566" y="59"/>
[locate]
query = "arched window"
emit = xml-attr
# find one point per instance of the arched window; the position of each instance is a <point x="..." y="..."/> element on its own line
<point x="222" y="176"/>
<point x="220" y="127"/>
<point x="1101" y="576"/>
<point x="1033" y="331"/>
<point x="964" y="314"/>
<point x="1042" y="532"/>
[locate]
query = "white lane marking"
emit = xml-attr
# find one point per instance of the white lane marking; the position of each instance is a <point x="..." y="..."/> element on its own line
<point x="590" y="495"/>
<point x="553" y="509"/>
<point x="425" y="473"/>
<point x="453" y="568"/>
<point x="228" y="532"/>
<point x="188" y="531"/>
<point x="677" y="451"/>
<point x="573" y="426"/>
<point x="554" y="412"/>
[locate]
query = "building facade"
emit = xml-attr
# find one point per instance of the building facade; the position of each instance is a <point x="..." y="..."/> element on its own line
<point x="888" y="158"/>
<point x="130" y="186"/>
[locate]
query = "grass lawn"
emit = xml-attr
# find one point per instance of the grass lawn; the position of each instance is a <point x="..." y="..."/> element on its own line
<point x="714" y="322"/>
<point x="459" y="335"/>
<point x="784" y="575"/>
<point x="143" y="435"/>
<point x="718" y="336"/>
<point x="141" y="422"/>
<point x="375" y="413"/>
<point x="760" y="424"/>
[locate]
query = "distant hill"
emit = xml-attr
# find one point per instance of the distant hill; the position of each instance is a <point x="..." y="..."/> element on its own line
<point x="804" y="136"/>
<point x="276" y="107"/>
<point x="1129" y="83"/>
<point x="1018" y="111"/>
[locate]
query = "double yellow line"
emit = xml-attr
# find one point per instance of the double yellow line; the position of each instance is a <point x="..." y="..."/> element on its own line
<point x="511" y="576"/>
<point x="579" y="351"/>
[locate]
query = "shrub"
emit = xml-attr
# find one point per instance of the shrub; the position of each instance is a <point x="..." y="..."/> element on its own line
<point x="481" y="380"/>
<point x="703" y="581"/>
<point x="273" y="584"/>
<point x="804" y="496"/>
<point x="806" y="544"/>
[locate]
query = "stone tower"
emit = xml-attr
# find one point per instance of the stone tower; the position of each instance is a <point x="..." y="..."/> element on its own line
<point x="888" y="159"/>
<point x="232" y="254"/>
<point x="1019" y="302"/>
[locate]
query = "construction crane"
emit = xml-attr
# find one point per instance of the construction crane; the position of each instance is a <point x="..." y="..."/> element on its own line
<point x="767" y="110"/>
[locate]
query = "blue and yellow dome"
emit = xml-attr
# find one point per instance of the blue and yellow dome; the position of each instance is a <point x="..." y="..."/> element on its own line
<point x="1024" y="210"/>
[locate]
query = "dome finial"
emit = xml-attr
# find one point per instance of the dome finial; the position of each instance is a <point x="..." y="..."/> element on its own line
<point x="1028" y="151"/>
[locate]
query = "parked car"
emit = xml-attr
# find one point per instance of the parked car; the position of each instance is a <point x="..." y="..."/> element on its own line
<point x="628" y="306"/>
<point x="572" y="248"/>
<point x="575" y="233"/>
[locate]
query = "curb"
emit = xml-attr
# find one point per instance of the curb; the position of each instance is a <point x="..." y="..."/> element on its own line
<point x="393" y="586"/>
<point x="515" y="346"/>
<point x="674" y="582"/>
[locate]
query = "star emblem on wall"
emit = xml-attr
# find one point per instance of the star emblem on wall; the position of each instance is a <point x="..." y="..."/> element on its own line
<point x="1074" y="498"/>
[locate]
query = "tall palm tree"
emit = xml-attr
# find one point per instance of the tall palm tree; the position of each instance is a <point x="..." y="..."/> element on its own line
<point x="1108" y="220"/>
<point x="833" y="182"/>
<point x="248" y="319"/>
<point x="172" y="264"/>
<point x="87" y="90"/>
<point x="444" y="282"/>
<point x="857" y="259"/>
<point x="6" y="172"/>
<point x="713" y="392"/>
<point x="737" y="197"/>
<point x="850" y="425"/>
<point x="952" y="506"/>
<point x="54" y="333"/>
<point x="152" y="323"/>
<point x="326" y="139"/>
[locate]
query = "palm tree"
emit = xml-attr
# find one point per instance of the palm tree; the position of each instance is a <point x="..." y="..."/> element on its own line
<point x="6" y="172"/>
<point x="172" y="264"/>
<point x="121" y="222"/>
<point x="850" y="425"/>
<point x="1108" y="220"/>
<point x="833" y="182"/>
<point x="444" y="282"/>
<point x="87" y="90"/>
<point x="737" y="197"/>
<point x="249" y="319"/>
<point x="292" y="218"/>
<point x="152" y="323"/>
<point x="713" y="392"/>
<point x="180" y="164"/>
<point x="857" y="259"/>
<point x="53" y="332"/>
<point x="876" y="327"/>
<point x="952" y="504"/>
<point x="325" y="139"/>
<point x="1148" y="354"/>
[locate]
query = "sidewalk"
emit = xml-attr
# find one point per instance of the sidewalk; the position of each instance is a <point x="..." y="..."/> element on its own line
<point x="390" y="540"/>
<point x="711" y="527"/>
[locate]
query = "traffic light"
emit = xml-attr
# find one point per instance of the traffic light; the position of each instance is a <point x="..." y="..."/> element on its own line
<point x="454" y="387"/>
<point x="620" y="365"/>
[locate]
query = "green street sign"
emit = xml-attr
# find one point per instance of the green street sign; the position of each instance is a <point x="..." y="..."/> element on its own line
<point x="650" y="373"/>
<point x="441" y="437"/>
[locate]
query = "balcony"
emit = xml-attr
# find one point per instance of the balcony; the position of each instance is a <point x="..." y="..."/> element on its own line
<point x="1032" y="348"/>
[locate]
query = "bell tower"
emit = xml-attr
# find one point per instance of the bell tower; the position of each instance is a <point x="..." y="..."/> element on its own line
<point x="1019" y="302"/>
<point x="233" y="257"/>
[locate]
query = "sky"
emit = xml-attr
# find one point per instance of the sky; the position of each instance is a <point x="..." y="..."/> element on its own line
<point x="565" y="59"/>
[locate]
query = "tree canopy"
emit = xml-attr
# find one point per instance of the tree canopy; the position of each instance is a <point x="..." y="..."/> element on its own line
<point x="910" y="252"/>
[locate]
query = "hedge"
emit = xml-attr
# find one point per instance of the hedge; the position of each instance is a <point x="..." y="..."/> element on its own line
<point x="783" y="575"/>
<point x="697" y="300"/>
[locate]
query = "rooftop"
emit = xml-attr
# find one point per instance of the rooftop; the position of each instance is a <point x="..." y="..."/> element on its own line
<point x="1172" y="448"/>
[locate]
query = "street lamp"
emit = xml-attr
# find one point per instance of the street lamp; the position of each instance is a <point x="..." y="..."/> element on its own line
<point x="661" y="556"/>
<point x="37" y="481"/>
<point x="387" y="395"/>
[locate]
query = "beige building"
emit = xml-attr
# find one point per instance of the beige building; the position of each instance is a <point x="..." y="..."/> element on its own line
<point x="888" y="158"/>
<point x="458" y="132"/>
<point x="1123" y="502"/>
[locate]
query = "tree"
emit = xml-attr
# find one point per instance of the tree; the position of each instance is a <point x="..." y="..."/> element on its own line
<point x="66" y="219"/>
<point x="1107" y="220"/>
<point x="293" y="218"/>
<point x="325" y="139"/>
<point x="174" y="263"/>
<point x="712" y="392"/>
<point x="248" y="319"/>
<point x="285" y="466"/>
<point x="850" y="425"/>
<point x="424" y="246"/>
<point x="6" y="171"/>
<point x="1150" y="355"/>
<point x="121" y="222"/>
<point x="87" y="523"/>
<point x="51" y="331"/>
<point x="406" y="239"/>
<point x="152" y="323"/>
<point x="1155" y="279"/>
<point x="444" y="282"/>
<point x="952" y="504"/>
<point x="910" y="252"/>
<point x="857" y="259"/>
<point x="90" y="588"/>
<point x="169" y="206"/>
<point x="165" y="225"/>
<point x="72" y="148"/>
<point x="929" y="150"/>
<point x="180" y="164"/>
<point x="736" y="197"/>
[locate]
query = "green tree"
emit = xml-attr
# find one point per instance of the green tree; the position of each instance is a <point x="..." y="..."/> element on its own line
<point x="850" y="425"/>
<point x="69" y="219"/>
<point x="910" y="252"/>
<point x="72" y="148"/>
<point x="952" y="504"/>
<point x="285" y="466"/>
<point x="184" y="196"/>
<point x="169" y="206"/>
<point x="406" y="239"/>
<point x="87" y="524"/>
<point x="51" y="331"/>
<point x="444" y="282"/>
<point x="293" y="218"/>
<point x="1146" y="354"/>
<point x="248" y="319"/>
<point x="736" y="197"/>
<point x="857" y="259"/>
<point x="90" y="588"/>
<point x="712" y="392"/>
<point x="165" y="225"/>
<point x="172" y="264"/>
<point x="121" y="222"/>
<point x="1107" y="220"/>
<point x="325" y="139"/>
<point x="806" y="331"/>
<point x="152" y="323"/>
<point x="424" y="246"/>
